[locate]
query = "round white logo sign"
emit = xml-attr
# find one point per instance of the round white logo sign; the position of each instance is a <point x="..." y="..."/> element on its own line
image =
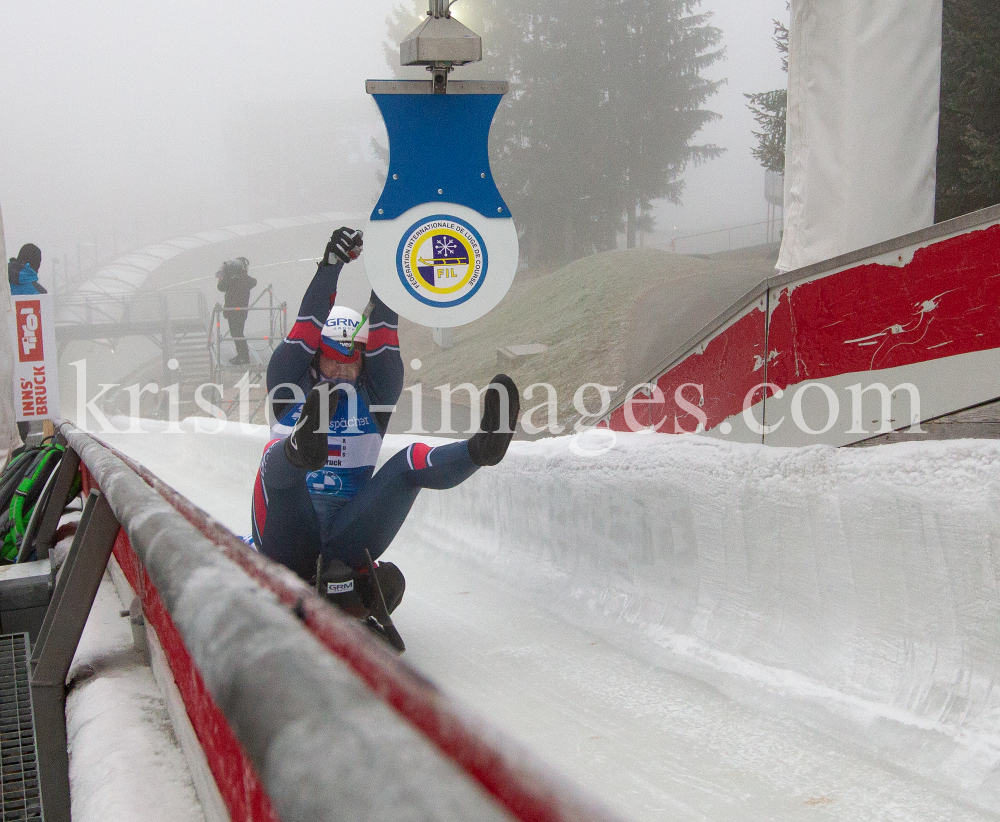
<point x="442" y="261"/>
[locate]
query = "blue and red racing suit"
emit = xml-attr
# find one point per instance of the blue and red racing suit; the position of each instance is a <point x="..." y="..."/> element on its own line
<point x="345" y="508"/>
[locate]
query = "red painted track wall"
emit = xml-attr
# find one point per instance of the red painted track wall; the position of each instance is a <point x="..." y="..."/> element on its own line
<point x="907" y="311"/>
<point x="728" y="366"/>
<point x="944" y="302"/>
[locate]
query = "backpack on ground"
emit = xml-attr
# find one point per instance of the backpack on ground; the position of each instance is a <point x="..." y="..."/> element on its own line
<point x="21" y="485"/>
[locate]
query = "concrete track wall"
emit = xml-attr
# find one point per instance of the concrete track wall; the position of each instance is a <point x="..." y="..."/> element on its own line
<point x="865" y="583"/>
<point x="778" y="366"/>
<point x="859" y="585"/>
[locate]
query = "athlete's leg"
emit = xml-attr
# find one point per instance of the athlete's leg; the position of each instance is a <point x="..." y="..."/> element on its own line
<point x="371" y="519"/>
<point x="285" y="527"/>
<point x="237" y="325"/>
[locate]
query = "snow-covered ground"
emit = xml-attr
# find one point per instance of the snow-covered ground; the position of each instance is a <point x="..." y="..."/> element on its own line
<point x="125" y="762"/>
<point x="698" y="630"/>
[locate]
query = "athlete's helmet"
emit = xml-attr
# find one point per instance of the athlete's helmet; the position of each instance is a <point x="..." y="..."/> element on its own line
<point x="344" y="335"/>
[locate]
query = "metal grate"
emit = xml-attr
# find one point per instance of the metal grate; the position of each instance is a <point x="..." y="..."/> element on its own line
<point x="20" y="799"/>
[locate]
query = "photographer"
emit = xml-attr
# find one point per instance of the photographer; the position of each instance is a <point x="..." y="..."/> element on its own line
<point x="236" y="284"/>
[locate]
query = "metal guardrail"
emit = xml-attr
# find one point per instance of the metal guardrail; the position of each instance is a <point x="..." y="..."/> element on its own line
<point x="241" y="633"/>
<point x="134" y="307"/>
<point x="73" y="596"/>
<point x="716" y="240"/>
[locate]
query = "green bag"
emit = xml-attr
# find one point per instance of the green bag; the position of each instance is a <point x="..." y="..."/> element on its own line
<point x="20" y="487"/>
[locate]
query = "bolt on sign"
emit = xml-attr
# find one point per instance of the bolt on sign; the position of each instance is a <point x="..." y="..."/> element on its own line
<point x="36" y="381"/>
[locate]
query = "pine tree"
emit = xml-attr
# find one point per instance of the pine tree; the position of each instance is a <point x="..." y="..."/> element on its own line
<point x="661" y="47"/>
<point x="770" y="111"/>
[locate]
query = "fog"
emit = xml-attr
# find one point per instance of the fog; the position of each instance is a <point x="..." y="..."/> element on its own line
<point x="128" y="123"/>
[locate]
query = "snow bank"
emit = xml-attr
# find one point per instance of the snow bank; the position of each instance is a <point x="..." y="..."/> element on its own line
<point x="862" y="582"/>
<point x="863" y="579"/>
<point x="125" y="763"/>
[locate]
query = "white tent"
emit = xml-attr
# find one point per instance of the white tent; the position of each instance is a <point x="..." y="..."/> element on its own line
<point x="864" y="81"/>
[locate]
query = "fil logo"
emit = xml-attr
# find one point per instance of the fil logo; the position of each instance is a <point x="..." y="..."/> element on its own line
<point x="29" y="328"/>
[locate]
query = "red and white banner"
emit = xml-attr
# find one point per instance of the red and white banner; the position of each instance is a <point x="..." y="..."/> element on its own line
<point x="36" y="379"/>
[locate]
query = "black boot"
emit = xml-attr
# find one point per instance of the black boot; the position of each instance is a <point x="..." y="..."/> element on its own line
<point x="391" y="581"/>
<point x="343" y="587"/>
<point x="352" y="590"/>
<point x="489" y="445"/>
<point x="306" y="446"/>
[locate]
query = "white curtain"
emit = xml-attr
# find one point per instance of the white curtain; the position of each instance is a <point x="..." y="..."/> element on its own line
<point x="9" y="438"/>
<point x="863" y="86"/>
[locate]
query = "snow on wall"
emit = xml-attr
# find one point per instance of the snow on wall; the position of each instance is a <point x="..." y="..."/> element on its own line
<point x="117" y="723"/>
<point x="865" y="581"/>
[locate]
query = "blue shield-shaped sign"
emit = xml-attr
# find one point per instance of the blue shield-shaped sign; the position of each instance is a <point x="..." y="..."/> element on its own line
<point x="440" y="247"/>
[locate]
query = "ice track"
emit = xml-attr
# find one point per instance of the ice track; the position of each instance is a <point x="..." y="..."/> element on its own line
<point x="700" y="631"/>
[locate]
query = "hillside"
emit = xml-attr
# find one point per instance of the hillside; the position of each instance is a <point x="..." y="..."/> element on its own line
<point x="609" y="319"/>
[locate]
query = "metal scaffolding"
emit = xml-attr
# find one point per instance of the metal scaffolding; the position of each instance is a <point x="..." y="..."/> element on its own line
<point x="261" y="340"/>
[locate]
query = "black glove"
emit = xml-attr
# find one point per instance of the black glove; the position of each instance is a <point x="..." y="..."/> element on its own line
<point x="345" y="244"/>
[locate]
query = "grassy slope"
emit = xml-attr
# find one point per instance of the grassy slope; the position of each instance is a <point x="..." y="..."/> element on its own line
<point x="582" y="312"/>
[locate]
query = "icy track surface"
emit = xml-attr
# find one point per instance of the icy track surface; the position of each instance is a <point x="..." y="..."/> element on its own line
<point x="696" y="630"/>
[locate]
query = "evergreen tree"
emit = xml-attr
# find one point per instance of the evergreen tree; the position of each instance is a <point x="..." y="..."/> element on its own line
<point x="606" y="98"/>
<point x="770" y="110"/>
<point x="655" y="51"/>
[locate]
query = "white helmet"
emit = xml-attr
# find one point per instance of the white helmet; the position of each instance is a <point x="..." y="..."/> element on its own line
<point x="344" y="335"/>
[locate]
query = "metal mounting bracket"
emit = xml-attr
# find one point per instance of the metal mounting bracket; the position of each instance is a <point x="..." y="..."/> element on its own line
<point x="440" y="42"/>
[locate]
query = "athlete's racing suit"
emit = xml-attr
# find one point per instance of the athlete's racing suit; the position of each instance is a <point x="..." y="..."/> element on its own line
<point x="344" y="508"/>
